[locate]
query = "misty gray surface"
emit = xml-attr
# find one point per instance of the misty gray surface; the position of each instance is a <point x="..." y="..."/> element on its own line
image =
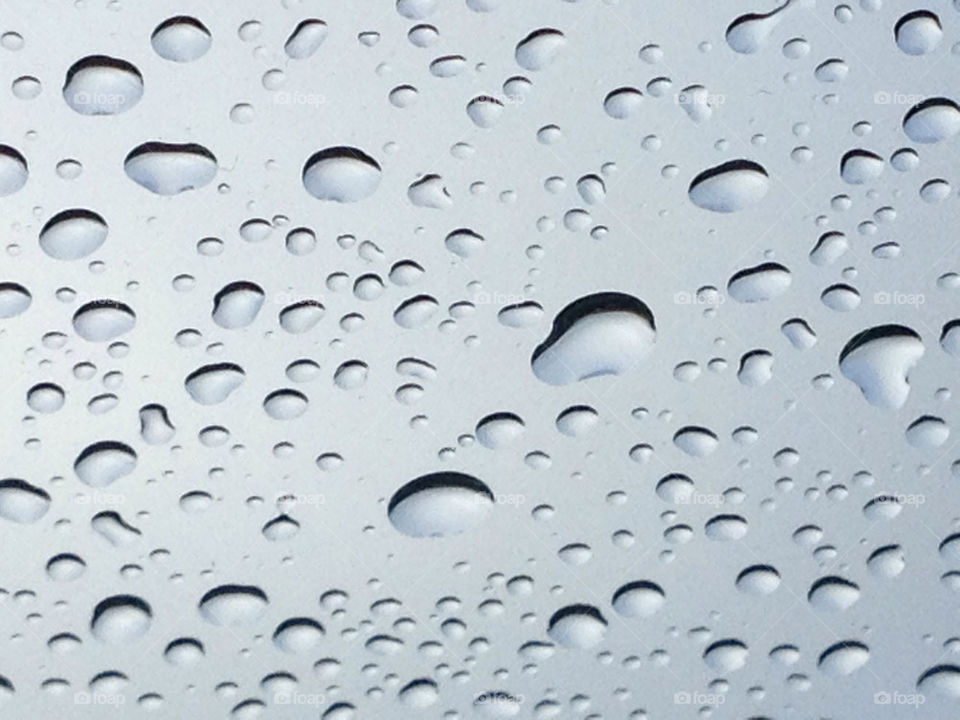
<point x="515" y="184"/>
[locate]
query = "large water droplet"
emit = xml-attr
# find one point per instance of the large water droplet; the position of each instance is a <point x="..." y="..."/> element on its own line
<point x="878" y="360"/>
<point x="233" y="605"/>
<point x="73" y="234"/>
<point x="121" y="619"/>
<point x="932" y="121"/>
<point x="539" y="48"/>
<point x="105" y="462"/>
<point x="343" y="174"/>
<point x="101" y="85"/>
<point x="729" y="187"/>
<point x="438" y="504"/>
<point x="181" y="39"/>
<point x="577" y="626"/>
<point x="601" y="334"/>
<point x="21" y="502"/>
<point x="169" y="168"/>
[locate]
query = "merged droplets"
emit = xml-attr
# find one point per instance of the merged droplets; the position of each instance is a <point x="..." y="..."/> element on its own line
<point x="101" y="85"/>
<point x="601" y="334"/>
<point x="438" y="504"/>
<point x="342" y="174"/>
<point x="170" y="168"/>
<point x="879" y="360"/>
<point x="155" y="425"/>
<point x="729" y="187"/>
<point x="748" y="33"/>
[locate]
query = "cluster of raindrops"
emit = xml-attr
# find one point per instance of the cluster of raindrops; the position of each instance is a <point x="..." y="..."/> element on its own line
<point x="355" y="362"/>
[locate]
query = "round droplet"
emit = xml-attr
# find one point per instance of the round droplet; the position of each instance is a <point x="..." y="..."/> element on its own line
<point x="121" y="619"/>
<point x="21" y="502"/>
<point x="729" y="187"/>
<point x="73" y="234"/>
<point x="438" y="504"/>
<point x="101" y="85"/>
<point x="233" y="605"/>
<point x="343" y="174"/>
<point x="577" y="627"/>
<point x="181" y="39"/>
<point x="170" y="169"/>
